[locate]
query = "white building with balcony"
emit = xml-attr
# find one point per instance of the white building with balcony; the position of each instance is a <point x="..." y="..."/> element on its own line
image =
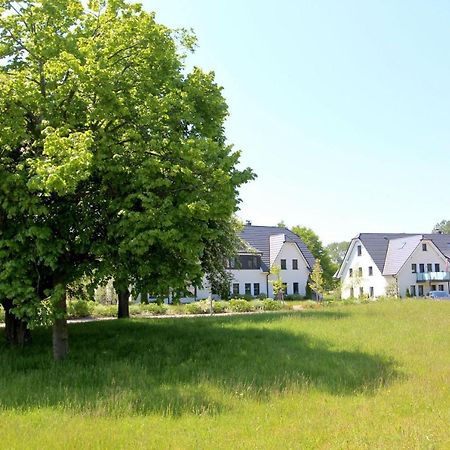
<point x="378" y="264"/>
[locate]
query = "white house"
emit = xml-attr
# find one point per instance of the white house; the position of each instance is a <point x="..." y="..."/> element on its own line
<point x="263" y="248"/>
<point x="378" y="264"/>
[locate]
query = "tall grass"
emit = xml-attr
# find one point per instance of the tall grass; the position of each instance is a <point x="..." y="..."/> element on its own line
<point x="367" y="376"/>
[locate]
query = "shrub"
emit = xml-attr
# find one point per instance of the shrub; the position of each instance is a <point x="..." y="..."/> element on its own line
<point x="154" y="309"/>
<point x="258" y="305"/>
<point x="220" y="307"/>
<point x="135" y="309"/>
<point x="80" y="308"/>
<point x="293" y="297"/>
<point x="194" y="308"/>
<point x="262" y="296"/>
<point x="272" y="305"/>
<point x="104" y="310"/>
<point x="237" y="305"/>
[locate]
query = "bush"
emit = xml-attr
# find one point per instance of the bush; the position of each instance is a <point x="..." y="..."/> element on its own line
<point x="293" y="297"/>
<point x="272" y="305"/>
<point x="194" y="308"/>
<point x="258" y="305"/>
<point x="262" y="296"/>
<point x="104" y="310"/>
<point x="80" y="308"/>
<point x="237" y="305"/>
<point x="154" y="309"/>
<point x="220" y="307"/>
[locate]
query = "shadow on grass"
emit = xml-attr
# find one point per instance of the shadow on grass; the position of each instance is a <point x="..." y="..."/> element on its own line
<point x="173" y="367"/>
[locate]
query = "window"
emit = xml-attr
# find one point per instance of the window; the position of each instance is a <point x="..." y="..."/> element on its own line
<point x="295" y="288"/>
<point x="248" y="289"/>
<point x="441" y="287"/>
<point x="350" y="273"/>
<point x="414" y="268"/>
<point x="283" y="264"/>
<point x="370" y="271"/>
<point x="232" y="263"/>
<point x="424" y="247"/>
<point x="412" y="290"/>
<point x="360" y="271"/>
<point x="295" y="264"/>
<point x="256" y="291"/>
<point x="371" y="291"/>
<point x="421" y="268"/>
<point x="359" y="250"/>
<point x="235" y="288"/>
<point x="437" y="268"/>
<point x="352" y="292"/>
<point x="429" y="267"/>
<point x="433" y="287"/>
<point x="361" y="291"/>
<point x="420" y="290"/>
<point x="285" y="291"/>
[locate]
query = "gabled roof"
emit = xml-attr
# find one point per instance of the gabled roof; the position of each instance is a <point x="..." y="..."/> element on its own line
<point x="377" y="245"/>
<point x="389" y="253"/>
<point x="258" y="237"/>
<point x="399" y="250"/>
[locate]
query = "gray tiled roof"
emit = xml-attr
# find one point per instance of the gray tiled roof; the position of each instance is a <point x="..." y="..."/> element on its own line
<point x="258" y="237"/>
<point x="377" y="244"/>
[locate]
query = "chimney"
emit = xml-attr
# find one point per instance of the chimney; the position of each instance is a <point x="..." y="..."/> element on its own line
<point x="248" y="223"/>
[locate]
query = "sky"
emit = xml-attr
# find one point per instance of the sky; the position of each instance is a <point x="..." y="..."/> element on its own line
<point x="342" y="108"/>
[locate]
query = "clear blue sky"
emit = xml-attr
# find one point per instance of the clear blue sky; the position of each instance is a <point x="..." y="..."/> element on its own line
<point x="342" y="108"/>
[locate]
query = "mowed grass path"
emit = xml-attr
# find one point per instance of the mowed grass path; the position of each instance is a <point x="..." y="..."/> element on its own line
<point x="364" y="376"/>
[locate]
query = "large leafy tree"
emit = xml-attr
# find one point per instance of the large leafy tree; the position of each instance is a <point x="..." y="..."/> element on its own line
<point x="113" y="159"/>
<point x="337" y="251"/>
<point x="442" y="227"/>
<point x="313" y="242"/>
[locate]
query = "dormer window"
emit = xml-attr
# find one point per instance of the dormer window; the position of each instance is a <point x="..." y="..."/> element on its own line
<point x="424" y="247"/>
<point x="359" y="250"/>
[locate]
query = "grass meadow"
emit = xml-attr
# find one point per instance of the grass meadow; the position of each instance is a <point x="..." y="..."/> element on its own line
<point x="373" y="376"/>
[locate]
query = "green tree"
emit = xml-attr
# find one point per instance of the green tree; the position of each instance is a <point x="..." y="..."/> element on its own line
<point x="113" y="159"/>
<point x="316" y="280"/>
<point x="281" y="224"/>
<point x="277" y="283"/>
<point x="337" y="251"/>
<point x="442" y="227"/>
<point x="317" y="249"/>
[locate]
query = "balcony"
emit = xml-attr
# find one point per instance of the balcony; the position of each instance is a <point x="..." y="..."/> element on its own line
<point x="433" y="276"/>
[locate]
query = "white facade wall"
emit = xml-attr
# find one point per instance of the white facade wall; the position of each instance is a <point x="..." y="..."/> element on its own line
<point x="251" y="276"/>
<point x="376" y="281"/>
<point x="406" y="278"/>
<point x="289" y="251"/>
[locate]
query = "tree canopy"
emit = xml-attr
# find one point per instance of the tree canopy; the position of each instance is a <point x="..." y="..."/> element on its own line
<point x="113" y="159"/>
<point x="315" y="246"/>
<point x="337" y="251"/>
<point x="442" y="227"/>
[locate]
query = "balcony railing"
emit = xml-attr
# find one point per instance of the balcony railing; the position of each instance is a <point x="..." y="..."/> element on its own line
<point x="433" y="276"/>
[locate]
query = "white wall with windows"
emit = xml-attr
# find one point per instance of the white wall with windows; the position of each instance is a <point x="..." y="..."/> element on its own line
<point x="294" y="269"/>
<point x="359" y="275"/>
<point x="424" y="259"/>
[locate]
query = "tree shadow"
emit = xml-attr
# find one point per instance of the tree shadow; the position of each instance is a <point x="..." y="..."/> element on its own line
<point x="175" y="366"/>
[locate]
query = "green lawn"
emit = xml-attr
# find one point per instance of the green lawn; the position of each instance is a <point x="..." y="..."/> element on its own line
<point x="362" y="376"/>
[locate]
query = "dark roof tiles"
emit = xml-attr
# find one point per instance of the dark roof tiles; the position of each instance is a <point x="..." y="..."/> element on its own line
<point x="258" y="237"/>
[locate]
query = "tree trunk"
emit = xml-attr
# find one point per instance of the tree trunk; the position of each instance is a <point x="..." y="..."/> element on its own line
<point x="60" y="333"/>
<point x="16" y="330"/>
<point x="123" y="311"/>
